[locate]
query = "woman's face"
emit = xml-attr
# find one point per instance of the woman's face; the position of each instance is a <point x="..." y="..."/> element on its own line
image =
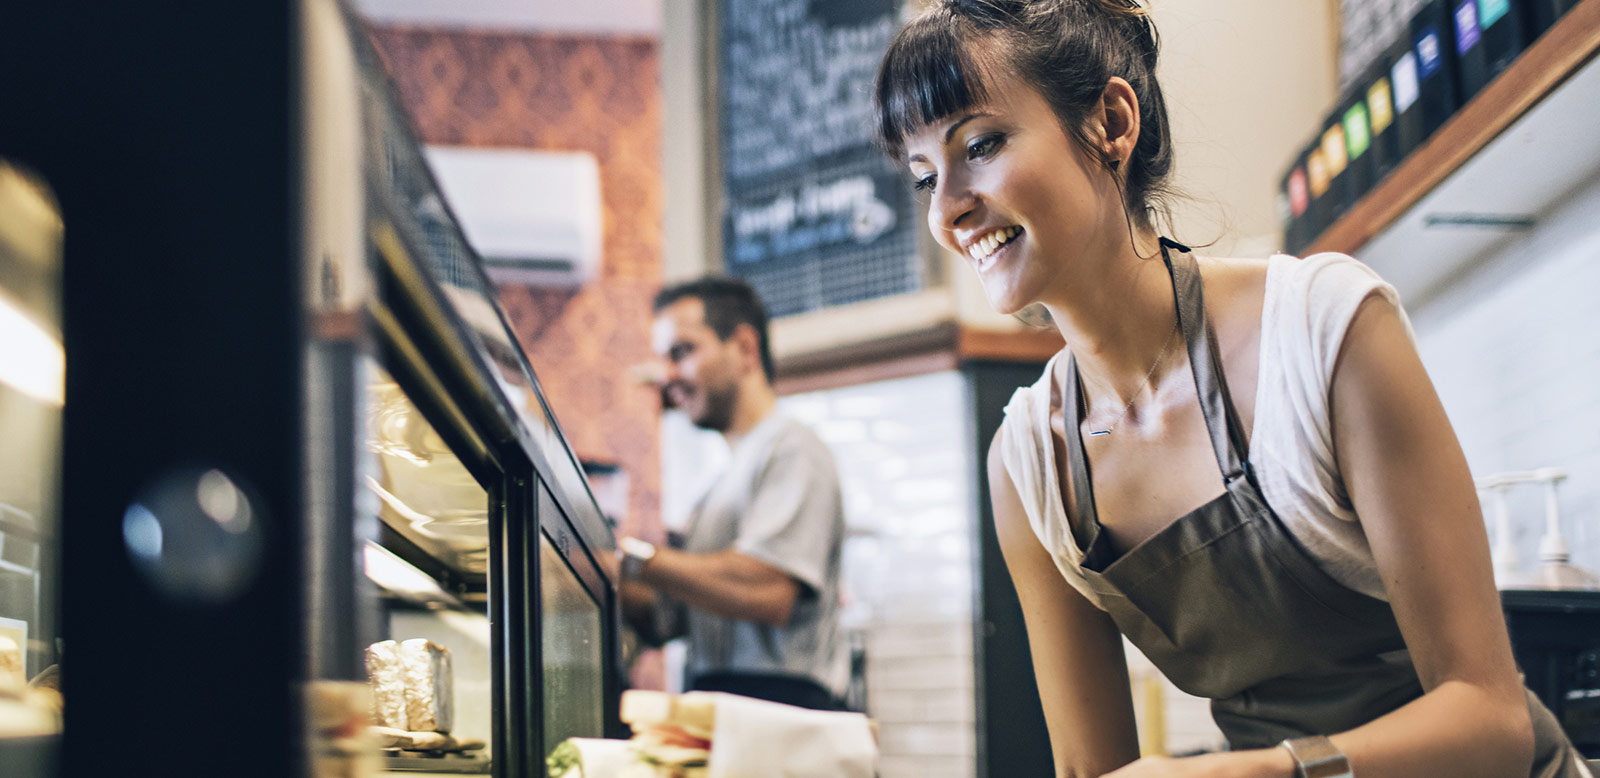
<point x="1012" y="194"/>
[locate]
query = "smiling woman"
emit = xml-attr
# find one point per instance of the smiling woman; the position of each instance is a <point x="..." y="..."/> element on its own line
<point x="1326" y="580"/>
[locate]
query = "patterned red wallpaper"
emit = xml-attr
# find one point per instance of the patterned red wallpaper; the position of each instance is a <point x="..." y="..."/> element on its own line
<point x="566" y="93"/>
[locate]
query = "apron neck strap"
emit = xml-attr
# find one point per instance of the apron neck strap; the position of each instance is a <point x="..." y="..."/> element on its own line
<point x="1085" y="518"/>
<point x="1227" y="438"/>
<point x="1211" y="386"/>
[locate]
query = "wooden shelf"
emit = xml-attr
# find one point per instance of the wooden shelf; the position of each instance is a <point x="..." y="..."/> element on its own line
<point x="943" y="347"/>
<point x="1561" y="52"/>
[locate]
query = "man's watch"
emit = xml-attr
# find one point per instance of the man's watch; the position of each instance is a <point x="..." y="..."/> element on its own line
<point x="635" y="553"/>
<point x="1317" y="757"/>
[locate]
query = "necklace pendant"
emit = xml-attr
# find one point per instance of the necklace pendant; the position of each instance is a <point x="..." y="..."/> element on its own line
<point x="1097" y="433"/>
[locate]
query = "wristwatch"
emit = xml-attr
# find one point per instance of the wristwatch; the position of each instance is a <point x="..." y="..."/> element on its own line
<point x="635" y="553"/>
<point x="1317" y="757"/>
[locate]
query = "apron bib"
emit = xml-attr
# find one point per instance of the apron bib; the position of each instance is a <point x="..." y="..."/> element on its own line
<point x="1229" y="605"/>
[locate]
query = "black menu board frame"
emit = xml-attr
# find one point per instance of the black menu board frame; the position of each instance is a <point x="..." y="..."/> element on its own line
<point x="813" y="214"/>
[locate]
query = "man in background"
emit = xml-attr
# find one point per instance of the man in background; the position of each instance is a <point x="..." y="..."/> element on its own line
<point x="754" y="584"/>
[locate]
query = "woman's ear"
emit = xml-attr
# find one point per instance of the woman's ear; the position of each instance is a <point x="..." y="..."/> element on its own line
<point x="1119" y="119"/>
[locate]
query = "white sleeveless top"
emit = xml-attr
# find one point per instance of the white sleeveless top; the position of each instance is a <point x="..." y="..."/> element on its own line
<point x="1308" y="307"/>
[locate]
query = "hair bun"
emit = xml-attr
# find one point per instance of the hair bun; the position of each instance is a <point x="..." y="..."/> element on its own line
<point x="988" y="10"/>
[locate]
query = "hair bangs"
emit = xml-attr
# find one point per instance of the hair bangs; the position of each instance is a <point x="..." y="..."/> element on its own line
<point x="927" y="74"/>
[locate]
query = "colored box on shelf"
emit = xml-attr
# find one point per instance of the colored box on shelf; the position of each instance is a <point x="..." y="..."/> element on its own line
<point x="1379" y="90"/>
<point x="1319" y="213"/>
<point x="1434" y="43"/>
<point x="1294" y="203"/>
<point x="1489" y="36"/>
<point x="1405" y="84"/>
<point x="1505" y="32"/>
<point x="1541" y="15"/>
<point x="1357" y="124"/>
<point x="1472" y="58"/>
<point x="1340" y="194"/>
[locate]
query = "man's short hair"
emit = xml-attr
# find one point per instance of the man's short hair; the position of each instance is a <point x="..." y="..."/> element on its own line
<point x="729" y="302"/>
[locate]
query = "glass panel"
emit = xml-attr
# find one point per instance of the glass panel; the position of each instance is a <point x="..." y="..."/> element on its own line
<point x="431" y="676"/>
<point x="447" y="257"/>
<point x="31" y="393"/>
<point x="426" y="494"/>
<point x="402" y="177"/>
<point x="570" y="625"/>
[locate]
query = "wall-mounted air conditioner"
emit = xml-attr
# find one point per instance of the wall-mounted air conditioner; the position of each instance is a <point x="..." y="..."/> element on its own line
<point x="534" y="216"/>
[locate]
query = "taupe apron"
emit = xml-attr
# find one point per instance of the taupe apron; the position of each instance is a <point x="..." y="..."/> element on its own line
<point x="1230" y="607"/>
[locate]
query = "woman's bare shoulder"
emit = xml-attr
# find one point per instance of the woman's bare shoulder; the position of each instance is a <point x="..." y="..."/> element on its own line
<point x="1233" y="273"/>
<point x="1235" y="289"/>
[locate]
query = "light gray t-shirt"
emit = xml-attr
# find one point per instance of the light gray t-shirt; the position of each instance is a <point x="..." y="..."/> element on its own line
<point x="778" y="501"/>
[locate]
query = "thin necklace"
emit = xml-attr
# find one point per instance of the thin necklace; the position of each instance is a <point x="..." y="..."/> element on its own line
<point x="1167" y="346"/>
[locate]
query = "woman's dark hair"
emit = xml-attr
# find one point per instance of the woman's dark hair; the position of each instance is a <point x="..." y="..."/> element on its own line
<point x="944" y="62"/>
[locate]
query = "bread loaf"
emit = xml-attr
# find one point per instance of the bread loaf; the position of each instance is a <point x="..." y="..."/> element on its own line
<point x="389" y="737"/>
<point x="428" y="694"/>
<point x="388" y="685"/>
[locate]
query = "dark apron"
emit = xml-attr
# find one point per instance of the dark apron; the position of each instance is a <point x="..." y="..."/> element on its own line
<point x="1230" y="607"/>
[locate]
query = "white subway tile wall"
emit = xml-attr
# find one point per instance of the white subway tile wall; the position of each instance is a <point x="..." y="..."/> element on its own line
<point x="906" y="459"/>
<point x="1513" y="347"/>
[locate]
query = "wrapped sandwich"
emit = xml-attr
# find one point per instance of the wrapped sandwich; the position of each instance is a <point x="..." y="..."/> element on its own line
<point x="722" y="736"/>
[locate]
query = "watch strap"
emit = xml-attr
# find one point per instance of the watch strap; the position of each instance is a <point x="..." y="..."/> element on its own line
<point x="1317" y="757"/>
<point x="635" y="553"/>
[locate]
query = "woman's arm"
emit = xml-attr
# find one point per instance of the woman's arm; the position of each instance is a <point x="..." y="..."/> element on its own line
<point x="1408" y="480"/>
<point x="1077" y="650"/>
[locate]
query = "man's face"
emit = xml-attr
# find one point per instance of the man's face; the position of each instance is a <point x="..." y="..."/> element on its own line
<point x="702" y="370"/>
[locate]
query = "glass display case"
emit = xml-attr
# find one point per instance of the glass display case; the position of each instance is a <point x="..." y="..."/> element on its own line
<point x="314" y="515"/>
<point x="31" y="363"/>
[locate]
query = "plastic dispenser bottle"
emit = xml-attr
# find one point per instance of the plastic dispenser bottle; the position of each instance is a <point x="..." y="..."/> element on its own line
<point x="1504" y="551"/>
<point x="1556" y="570"/>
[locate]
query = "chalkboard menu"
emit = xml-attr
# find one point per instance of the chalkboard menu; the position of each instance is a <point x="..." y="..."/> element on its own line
<point x="814" y="215"/>
<point x="1366" y="29"/>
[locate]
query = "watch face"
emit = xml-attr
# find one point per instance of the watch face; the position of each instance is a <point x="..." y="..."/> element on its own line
<point x="637" y="548"/>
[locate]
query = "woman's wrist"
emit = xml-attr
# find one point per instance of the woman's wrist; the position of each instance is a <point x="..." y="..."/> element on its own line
<point x="1275" y="762"/>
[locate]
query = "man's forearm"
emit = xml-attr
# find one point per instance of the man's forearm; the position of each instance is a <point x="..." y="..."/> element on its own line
<point x="727" y="583"/>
